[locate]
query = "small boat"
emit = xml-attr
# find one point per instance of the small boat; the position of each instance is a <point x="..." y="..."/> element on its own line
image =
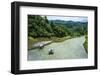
<point x="51" y="52"/>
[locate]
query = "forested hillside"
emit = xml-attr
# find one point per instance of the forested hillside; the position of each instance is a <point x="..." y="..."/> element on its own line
<point x="75" y="28"/>
<point x="40" y="26"/>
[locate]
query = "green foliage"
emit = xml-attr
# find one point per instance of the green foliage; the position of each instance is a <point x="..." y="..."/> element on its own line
<point x="86" y="43"/>
<point x="46" y="20"/>
<point x="31" y="40"/>
<point x="73" y="28"/>
<point x="40" y="26"/>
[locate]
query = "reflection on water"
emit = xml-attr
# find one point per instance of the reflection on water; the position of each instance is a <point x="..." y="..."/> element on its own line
<point x="69" y="49"/>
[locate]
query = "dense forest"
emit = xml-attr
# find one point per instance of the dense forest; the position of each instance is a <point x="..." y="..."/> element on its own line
<point x="40" y="29"/>
<point x="40" y="26"/>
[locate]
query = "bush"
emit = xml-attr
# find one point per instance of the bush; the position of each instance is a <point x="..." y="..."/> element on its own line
<point x="86" y="44"/>
<point x="31" y="41"/>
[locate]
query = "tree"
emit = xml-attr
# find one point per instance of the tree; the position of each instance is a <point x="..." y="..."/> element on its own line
<point x="46" y="20"/>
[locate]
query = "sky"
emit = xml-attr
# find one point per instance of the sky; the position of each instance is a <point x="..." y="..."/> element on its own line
<point x="69" y="18"/>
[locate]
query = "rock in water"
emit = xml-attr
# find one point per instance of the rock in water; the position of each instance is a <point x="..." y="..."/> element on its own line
<point x="41" y="46"/>
<point x="51" y="51"/>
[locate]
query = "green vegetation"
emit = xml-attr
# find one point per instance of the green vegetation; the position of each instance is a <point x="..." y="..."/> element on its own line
<point x="86" y="44"/>
<point x="72" y="28"/>
<point x="31" y="41"/>
<point x="42" y="29"/>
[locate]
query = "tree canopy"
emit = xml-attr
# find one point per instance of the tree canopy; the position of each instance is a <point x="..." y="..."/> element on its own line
<point x="40" y="26"/>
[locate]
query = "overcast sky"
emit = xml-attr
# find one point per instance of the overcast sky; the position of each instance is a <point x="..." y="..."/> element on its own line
<point x="69" y="18"/>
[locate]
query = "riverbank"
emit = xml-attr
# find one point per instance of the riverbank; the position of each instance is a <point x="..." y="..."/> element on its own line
<point x="41" y="42"/>
<point x="85" y="44"/>
<point x="34" y="43"/>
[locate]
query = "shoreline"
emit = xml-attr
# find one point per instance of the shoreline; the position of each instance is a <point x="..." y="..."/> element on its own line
<point x="41" y="44"/>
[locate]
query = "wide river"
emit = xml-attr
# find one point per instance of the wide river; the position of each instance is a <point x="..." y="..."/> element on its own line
<point x="68" y="49"/>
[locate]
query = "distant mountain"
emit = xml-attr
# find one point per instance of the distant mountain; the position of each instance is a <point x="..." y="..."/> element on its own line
<point x="62" y="22"/>
<point x="73" y="26"/>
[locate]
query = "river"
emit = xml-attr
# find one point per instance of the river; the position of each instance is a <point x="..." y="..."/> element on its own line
<point x="68" y="49"/>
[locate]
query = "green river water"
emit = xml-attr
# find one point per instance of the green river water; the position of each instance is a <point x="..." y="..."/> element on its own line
<point x="68" y="49"/>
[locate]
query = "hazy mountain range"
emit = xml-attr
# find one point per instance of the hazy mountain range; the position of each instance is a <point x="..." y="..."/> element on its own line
<point x="63" y="22"/>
